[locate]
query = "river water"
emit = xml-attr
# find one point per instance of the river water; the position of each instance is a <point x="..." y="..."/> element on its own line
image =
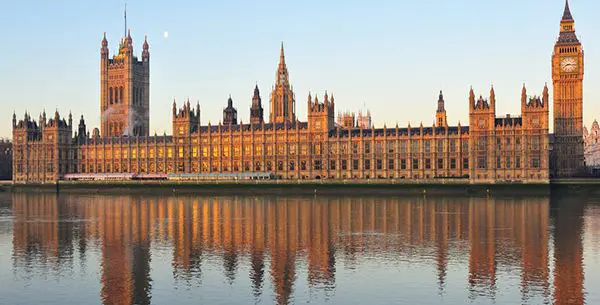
<point x="151" y="249"/>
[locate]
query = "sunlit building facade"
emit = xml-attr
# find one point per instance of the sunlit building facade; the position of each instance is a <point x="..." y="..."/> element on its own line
<point x="491" y="149"/>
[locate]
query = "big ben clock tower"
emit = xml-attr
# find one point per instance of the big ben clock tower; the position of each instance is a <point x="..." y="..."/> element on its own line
<point x="567" y="78"/>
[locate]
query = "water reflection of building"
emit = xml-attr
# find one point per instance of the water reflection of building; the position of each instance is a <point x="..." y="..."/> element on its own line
<point x="567" y="217"/>
<point x="278" y="236"/>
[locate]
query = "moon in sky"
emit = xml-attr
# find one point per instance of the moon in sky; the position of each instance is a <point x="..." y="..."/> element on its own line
<point x="166" y="34"/>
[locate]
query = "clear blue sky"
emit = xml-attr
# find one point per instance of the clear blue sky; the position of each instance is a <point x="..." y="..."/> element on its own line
<point x="392" y="56"/>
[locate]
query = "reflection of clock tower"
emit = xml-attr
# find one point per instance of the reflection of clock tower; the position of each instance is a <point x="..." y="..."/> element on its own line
<point x="567" y="77"/>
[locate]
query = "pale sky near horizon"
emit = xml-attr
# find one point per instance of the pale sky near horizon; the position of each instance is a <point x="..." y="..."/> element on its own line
<point x="391" y="57"/>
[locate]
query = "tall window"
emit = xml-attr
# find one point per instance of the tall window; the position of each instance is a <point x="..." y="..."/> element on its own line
<point x="110" y="93"/>
<point x="121" y="95"/>
<point x="481" y="144"/>
<point x="414" y="146"/>
<point x="452" y="144"/>
<point x="427" y="145"/>
<point x="481" y="162"/>
<point x="465" y="146"/>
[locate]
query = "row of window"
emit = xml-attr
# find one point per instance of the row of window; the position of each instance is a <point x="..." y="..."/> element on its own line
<point x="116" y="95"/>
<point x="507" y="164"/>
<point x="416" y="164"/>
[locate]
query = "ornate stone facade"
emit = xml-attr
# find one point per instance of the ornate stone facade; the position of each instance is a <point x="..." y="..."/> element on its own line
<point x="491" y="149"/>
<point x="592" y="145"/>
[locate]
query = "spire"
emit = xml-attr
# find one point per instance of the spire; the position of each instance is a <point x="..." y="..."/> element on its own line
<point x="441" y="102"/>
<point x="567" y="14"/>
<point x="125" y="16"/>
<point x="545" y="95"/>
<point x="472" y="97"/>
<point x="282" y="55"/>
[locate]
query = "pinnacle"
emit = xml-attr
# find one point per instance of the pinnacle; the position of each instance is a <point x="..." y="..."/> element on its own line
<point x="567" y="14"/>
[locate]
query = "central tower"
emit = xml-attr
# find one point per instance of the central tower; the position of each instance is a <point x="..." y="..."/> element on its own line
<point x="283" y="103"/>
<point x="567" y="78"/>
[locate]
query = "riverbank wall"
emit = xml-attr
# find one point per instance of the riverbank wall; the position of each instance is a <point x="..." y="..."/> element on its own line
<point x="305" y="187"/>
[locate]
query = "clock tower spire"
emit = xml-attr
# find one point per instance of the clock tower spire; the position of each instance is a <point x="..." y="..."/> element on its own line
<point x="567" y="79"/>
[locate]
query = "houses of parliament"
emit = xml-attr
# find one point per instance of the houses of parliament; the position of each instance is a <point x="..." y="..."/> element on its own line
<point x="491" y="149"/>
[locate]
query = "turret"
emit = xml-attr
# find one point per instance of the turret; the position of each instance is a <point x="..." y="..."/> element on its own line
<point x="230" y="113"/>
<point x="523" y="96"/>
<point x="14" y="121"/>
<point x="545" y="95"/>
<point x="104" y="48"/>
<point x="471" y="99"/>
<point x="70" y="120"/>
<point x="256" y="110"/>
<point x="145" y="51"/>
<point x="440" y="114"/>
<point x="81" y="131"/>
<point x="492" y="98"/>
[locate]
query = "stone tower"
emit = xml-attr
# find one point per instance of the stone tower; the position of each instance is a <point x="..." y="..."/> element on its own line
<point x="440" y="114"/>
<point x="282" y="103"/>
<point x="124" y="90"/>
<point x="567" y="77"/>
<point x="482" y="116"/>
<point x="256" y="111"/>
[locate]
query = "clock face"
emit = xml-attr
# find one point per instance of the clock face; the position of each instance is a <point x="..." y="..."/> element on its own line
<point x="568" y="64"/>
